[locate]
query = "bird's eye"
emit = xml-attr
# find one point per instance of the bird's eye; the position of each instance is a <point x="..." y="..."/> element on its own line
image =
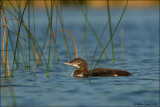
<point x="78" y="62"/>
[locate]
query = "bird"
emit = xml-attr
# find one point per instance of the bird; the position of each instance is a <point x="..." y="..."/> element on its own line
<point x="82" y="70"/>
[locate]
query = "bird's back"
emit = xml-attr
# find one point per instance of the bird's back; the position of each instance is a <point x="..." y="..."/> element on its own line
<point x="106" y="72"/>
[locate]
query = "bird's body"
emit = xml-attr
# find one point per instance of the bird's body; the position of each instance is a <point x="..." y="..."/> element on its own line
<point x="103" y="72"/>
<point x="82" y="70"/>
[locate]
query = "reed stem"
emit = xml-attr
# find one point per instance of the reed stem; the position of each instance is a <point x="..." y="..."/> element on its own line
<point x="110" y="29"/>
<point x="18" y="38"/>
<point x="75" y="46"/>
<point x="109" y="40"/>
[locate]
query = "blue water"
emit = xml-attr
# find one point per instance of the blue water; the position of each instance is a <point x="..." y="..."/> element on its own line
<point x="140" y="56"/>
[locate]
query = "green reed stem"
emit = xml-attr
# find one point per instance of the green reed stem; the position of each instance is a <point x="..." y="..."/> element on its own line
<point x="85" y="33"/>
<point x="47" y="11"/>
<point x="18" y="37"/>
<point x="110" y="29"/>
<point x="95" y="34"/>
<point x="33" y="40"/>
<point x="51" y="33"/>
<point x="29" y="53"/>
<point x="13" y="97"/>
<point x="9" y="31"/>
<point x="6" y="96"/>
<point x="10" y="39"/>
<point x="55" y="47"/>
<point x="15" y="16"/>
<point x="34" y="28"/>
<point x="98" y="44"/>
<point x="24" y="48"/>
<point x="109" y="40"/>
<point x="12" y="6"/>
<point x="60" y="15"/>
<point x="122" y="43"/>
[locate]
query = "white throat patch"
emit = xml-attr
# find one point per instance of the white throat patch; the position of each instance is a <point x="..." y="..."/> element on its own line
<point x="78" y="75"/>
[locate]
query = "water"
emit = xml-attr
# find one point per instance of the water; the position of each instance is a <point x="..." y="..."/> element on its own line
<point x="140" y="56"/>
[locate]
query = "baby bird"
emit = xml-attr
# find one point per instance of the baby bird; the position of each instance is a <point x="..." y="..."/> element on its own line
<point x="82" y="70"/>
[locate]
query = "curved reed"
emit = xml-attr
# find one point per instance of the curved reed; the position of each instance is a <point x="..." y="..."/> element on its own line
<point x="70" y="34"/>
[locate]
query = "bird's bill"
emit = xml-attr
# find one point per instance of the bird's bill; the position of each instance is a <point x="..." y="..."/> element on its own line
<point x="68" y="63"/>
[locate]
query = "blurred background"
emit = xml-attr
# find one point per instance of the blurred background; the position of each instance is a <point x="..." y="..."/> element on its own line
<point x="94" y="3"/>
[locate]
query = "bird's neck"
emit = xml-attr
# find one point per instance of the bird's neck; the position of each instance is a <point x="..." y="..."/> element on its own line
<point x="83" y="68"/>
